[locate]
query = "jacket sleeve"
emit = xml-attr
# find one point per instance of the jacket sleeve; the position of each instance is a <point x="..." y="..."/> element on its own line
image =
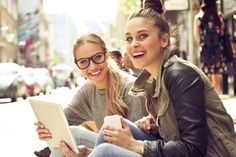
<point x="186" y="91"/>
<point x="136" y="107"/>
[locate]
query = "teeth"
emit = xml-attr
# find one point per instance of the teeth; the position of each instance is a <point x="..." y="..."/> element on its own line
<point x="95" y="73"/>
<point x="137" y="54"/>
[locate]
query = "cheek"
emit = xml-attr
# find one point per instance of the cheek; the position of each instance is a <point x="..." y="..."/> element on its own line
<point x="128" y="47"/>
<point x="105" y="67"/>
<point x="129" y="56"/>
<point x="83" y="73"/>
<point x="128" y="50"/>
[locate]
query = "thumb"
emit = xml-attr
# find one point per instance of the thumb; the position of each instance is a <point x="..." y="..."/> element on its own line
<point x="124" y="123"/>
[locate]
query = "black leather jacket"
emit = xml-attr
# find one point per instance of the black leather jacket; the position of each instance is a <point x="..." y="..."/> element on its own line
<point x="180" y="112"/>
<point x="186" y="91"/>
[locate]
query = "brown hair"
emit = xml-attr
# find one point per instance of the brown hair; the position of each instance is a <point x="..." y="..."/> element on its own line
<point x="114" y="103"/>
<point x="153" y="10"/>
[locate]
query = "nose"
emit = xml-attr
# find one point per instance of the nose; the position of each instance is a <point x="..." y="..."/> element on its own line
<point x="92" y="64"/>
<point x="134" y="43"/>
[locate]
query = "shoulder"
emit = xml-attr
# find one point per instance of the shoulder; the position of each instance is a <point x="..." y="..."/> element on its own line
<point x="128" y="79"/>
<point x="183" y="78"/>
<point x="180" y="72"/>
<point x="177" y="68"/>
<point x="85" y="88"/>
<point x="198" y="15"/>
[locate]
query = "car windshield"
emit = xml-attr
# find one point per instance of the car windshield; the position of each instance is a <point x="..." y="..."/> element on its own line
<point x="5" y="72"/>
<point x="8" y="70"/>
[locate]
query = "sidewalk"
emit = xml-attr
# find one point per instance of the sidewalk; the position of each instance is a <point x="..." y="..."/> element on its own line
<point x="18" y="135"/>
<point x="230" y="106"/>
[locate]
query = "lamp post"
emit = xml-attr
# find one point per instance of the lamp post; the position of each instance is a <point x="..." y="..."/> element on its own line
<point x="141" y="4"/>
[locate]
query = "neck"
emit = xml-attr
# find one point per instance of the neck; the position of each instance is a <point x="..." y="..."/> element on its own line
<point x="154" y="68"/>
<point x="102" y="84"/>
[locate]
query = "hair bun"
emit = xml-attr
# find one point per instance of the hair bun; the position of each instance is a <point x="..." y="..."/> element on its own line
<point x="154" y="4"/>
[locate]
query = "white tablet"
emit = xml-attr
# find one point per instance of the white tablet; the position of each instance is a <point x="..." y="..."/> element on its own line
<point x="52" y="116"/>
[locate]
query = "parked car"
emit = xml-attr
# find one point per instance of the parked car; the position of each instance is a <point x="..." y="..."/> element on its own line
<point x="32" y="85"/>
<point x="12" y="84"/>
<point x="44" y="80"/>
<point x="63" y="76"/>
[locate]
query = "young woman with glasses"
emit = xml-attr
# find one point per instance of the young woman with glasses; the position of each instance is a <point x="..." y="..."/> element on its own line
<point x="105" y="92"/>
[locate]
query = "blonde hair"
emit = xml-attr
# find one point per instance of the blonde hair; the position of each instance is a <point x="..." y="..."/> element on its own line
<point x="115" y="81"/>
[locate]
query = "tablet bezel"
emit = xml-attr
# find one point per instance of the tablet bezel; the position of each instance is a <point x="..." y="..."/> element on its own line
<point x="52" y="116"/>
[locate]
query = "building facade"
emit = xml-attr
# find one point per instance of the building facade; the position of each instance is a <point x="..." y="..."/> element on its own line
<point x="33" y="34"/>
<point x="8" y="31"/>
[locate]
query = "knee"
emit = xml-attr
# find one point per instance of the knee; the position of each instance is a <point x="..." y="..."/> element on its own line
<point x="78" y="131"/>
<point x="73" y="129"/>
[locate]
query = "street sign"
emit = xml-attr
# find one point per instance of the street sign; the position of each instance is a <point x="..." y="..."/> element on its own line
<point x="229" y="7"/>
<point x="173" y="5"/>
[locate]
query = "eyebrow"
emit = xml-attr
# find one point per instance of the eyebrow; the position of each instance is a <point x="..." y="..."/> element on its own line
<point x="91" y="55"/>
<point x="140" y="31"/>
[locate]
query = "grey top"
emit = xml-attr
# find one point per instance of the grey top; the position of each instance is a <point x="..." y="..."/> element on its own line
<point x="89" y="104"/>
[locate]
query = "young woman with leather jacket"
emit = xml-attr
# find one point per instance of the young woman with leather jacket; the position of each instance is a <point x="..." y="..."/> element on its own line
<point x="185" y="112"/>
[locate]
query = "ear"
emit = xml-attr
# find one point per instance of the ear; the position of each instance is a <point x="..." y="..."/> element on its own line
<point x="165" y="38"/>
<point x="107" y="55"/>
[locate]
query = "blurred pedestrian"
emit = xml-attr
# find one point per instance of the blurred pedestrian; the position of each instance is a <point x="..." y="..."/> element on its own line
<point x="105" y="92"/>
<point x="116" y="56"/>
<point x="209" y="29"/>
<point x="71" y="81"/>
<point x="175" y="50"/>
<point x="127" y="64"/>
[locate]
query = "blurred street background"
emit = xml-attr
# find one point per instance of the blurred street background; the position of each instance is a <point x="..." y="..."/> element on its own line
<point x="36" y="38"/>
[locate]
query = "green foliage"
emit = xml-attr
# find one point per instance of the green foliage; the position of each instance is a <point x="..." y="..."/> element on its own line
<point x="130" y="6"/>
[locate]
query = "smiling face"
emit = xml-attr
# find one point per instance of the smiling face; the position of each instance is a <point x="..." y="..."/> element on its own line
<point x="96" y="73"/>
<point x="145" y="44"/>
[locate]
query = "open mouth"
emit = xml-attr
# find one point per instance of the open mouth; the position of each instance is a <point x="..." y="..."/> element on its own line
<point x="95" y="73"/>
<point x="138" y="54"/>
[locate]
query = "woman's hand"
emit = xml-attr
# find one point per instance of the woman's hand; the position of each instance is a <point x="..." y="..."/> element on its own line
<point x="66" y="150"/>
<point x="43" y="133"/>
<point x="122" y="137"/>
<point x="147" y="124"/>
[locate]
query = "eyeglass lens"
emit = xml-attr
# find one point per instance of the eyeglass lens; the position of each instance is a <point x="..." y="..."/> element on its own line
<point x="85" y="62"/>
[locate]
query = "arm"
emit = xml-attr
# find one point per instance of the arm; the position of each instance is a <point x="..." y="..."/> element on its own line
<point x="186" y="90"/>
<point x="136" y="104"/>
<point x="222" y="26"/>
<point x="79" y="110"/>
<point x="196" y="30"/>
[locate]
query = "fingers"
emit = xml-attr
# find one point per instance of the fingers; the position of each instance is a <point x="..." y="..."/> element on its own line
<point x="43" y="133"/>
<point x="124" y="123"/>
<point x="83" y="151"/>
<point x="39" y="124"/>
<point x="65" y="149"/>
<point x="145" y="123"/>
<point x="108" y="134"/>
<point x="108" y="127"/>
<point x="108" y="139"/>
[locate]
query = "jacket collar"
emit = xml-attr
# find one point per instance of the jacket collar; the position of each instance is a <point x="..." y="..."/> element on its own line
<point x="145" y="82"/>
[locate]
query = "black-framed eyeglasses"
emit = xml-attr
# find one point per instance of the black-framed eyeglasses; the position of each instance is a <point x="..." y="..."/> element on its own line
<point x="97" y="58"/>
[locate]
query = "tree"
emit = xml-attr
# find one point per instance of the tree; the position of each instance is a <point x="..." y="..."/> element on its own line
<point x="129" y="6"/>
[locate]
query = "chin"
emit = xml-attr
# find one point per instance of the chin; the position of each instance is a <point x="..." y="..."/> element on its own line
<point x="138" y="66"/>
